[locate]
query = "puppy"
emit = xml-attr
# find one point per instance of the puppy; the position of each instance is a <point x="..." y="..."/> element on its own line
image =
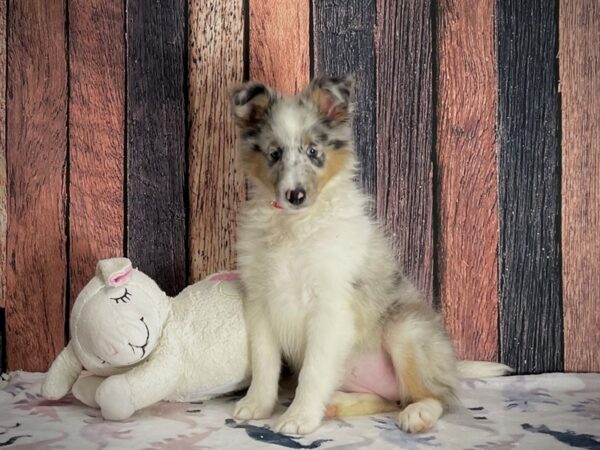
<point x="323" y="289"/>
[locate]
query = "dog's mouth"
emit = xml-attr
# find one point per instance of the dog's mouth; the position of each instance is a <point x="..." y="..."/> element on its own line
<point x="144" y="345"/>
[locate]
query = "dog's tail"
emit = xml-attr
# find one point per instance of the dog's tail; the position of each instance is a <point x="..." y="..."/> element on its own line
<point x="482" y="369"/>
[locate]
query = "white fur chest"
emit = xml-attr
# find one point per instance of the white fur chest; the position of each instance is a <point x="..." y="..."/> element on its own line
<point x="293" y="263"/>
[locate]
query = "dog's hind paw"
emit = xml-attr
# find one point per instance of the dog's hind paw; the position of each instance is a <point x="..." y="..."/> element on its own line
<point x="420" y="416"/>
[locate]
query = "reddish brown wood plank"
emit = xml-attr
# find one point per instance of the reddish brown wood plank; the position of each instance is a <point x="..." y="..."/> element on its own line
<point x="579" y="52"/>
<point x="2" y="154"/>
<point x="279" y="47"/>
<point x="36" y="160"/>
<point x="404" y="133"/>
<point x="96" y="135"/>
<point x="216" y="182"/>
<point x="466" y="184"/>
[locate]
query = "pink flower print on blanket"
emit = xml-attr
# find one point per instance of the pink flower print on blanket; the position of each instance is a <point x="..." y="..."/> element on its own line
<point x="39" y="406"/>
<point x="224" y="276"/>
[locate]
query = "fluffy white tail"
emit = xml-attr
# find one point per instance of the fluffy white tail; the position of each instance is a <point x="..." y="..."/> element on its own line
<point x="482" y="369"/>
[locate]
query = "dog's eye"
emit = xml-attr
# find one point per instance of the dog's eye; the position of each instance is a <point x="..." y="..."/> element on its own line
<point x="275" y="155"/>
<point x="311" y="152"/>
<point x="123" y="298"/>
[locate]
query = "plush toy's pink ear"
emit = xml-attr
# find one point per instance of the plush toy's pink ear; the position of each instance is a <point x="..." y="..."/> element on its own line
<point x="114" y="271"/>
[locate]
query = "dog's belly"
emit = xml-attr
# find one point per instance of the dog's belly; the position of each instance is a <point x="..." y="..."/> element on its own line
<point x="374" y="373"/>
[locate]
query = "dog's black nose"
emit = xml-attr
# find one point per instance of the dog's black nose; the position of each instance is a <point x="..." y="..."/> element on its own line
<point x="296" y="197"/>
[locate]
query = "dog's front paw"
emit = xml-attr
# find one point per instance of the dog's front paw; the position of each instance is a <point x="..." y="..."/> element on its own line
<point x="253" y="408"/>
<point x="114" y="398"/>
<point x="298" y="421"/>
<point x="420" y="416"/>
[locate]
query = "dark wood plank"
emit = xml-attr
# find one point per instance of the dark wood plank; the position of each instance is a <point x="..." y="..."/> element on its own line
<point x="156" y="136"/>
<point x="529" y="176"/>
<point x="96" y="135"/>
<point x="216" y="180"/>
<point x="3" y="217"/>
<point x="344" y="42"/>
<point x="3" y="200"/>
<point x="404" y="134"/>
<point x="580" y="96"/>
<point x="279" y="47"/>
<point x="37" y="161"/>
<point x="466" y="176"/>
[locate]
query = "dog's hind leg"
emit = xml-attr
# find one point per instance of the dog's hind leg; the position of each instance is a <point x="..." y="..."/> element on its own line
<point x="424" y="363"/>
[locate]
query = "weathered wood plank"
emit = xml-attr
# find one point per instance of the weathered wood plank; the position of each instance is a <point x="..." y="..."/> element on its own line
<point x="36" y="160"/>
<point x="216" y="181"/>
<point x="96" y="135"/>
<point x="580" y="93"/>
<point x="279" y="47"/>
<point x="466" y="181"/>
<point x="344" y="42"/>
<point x="3" y="217"/>
<point x="404" y="134"/>
<point x="529" y="191"/>
<point x="156" y="141"/>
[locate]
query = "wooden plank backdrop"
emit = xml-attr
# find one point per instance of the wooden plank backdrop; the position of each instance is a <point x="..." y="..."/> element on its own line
<point x="467" y="195"/>
<point x="119" y="140"/>
<point x="36" y="158"/>
<point x="404" y="134"/>
<point x="580" y="92"/>
<point x="216" y="183"/>
<point x="96" y="127"/>
<point x="529" y="186"/>
<point x="156" y="223"/>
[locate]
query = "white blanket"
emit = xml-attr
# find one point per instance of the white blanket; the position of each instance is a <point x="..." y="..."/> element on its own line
<point x="550" y="411"/>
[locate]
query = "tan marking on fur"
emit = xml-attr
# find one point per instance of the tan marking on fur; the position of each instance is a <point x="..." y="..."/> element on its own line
<point x="252" y="112"/>
<point x="411" y="380"/>
<point x="255" y="166"/>
<point x="335" y="162"/>
<point x="327" y="106"/>
<point x="331" y="411"/>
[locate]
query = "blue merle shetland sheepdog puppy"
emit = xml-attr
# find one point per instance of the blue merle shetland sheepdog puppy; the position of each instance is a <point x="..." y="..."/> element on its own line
<point x="323" y="288"/>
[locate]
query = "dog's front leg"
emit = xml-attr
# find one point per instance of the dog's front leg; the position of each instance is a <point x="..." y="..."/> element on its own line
<point x="330" y="337"/>
<point x="265" y="355"/>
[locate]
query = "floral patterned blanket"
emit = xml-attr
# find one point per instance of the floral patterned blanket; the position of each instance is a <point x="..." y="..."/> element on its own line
<point x="551" y="411"/>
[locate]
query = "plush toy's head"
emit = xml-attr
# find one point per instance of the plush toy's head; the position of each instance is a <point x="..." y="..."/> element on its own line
<point x="118" y="317"/>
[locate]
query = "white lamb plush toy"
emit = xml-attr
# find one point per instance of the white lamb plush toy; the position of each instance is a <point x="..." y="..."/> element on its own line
<point x="141" y="346"/>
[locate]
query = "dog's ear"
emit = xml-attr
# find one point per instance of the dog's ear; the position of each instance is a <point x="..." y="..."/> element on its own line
<point x="332" y="97"/>
<point x="250" y="103"/>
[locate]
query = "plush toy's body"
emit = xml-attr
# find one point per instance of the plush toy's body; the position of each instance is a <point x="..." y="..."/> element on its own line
<point x="141" y="346"/>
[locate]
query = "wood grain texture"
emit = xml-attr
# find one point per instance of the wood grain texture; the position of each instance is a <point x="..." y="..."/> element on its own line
<point x="529" y="191"/>
<point x="344" y="42"/>
<point x="466" y="176"/>
<point x="3" y="217"/>
<point x="216" y="181"/>
<point x="96" y="135"/>
<point x="156" y="141"/>
<point x="279" y="47"/>
<point x="580" y="91"/>
<point x="404" y="134"/>
<point x="36" y="160"/>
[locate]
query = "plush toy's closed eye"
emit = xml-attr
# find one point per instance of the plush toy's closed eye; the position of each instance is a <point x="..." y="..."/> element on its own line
<point x="125" y="298"/>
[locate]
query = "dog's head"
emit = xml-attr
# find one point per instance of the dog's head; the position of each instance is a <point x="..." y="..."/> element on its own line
<point x="295" y="146"/>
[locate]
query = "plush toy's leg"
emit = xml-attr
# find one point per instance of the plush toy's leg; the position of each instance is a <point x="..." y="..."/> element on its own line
<point x="357" y="404"/>
<point x="85" y="388"/>
<point x="62" y="374"/>
<point x="119" y="396"/>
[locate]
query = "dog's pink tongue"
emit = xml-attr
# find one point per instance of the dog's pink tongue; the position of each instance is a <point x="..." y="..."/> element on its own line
<point x="277" y="205"/>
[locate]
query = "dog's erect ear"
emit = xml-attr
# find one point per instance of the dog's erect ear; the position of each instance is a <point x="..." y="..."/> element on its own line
<point x="332" y="97"/>
<point x="250" y="103"/>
